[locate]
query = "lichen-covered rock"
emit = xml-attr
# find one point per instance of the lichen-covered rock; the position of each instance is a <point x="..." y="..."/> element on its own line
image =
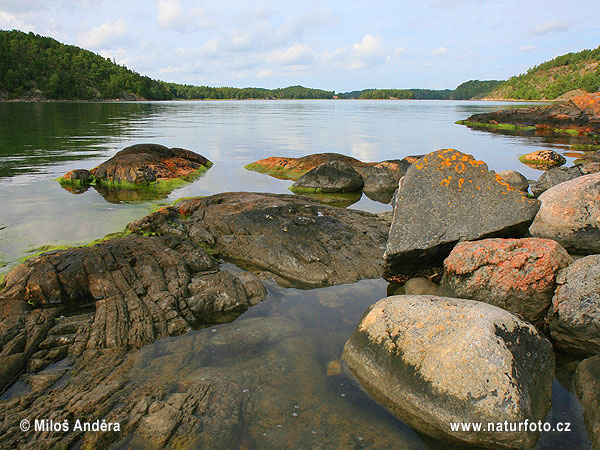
<point x="446" y="197"/>
<point x="335" y="176"/>
<point x="587" y="385"/>
<point x="575" y="314"/>
<point x="142" y="165"/>
<point x="293" y="237"/>
<point x="543" y="158"/>
<point x="434" y="361"/>
<point x="515" y="180"/>
<point x="570" y="215"/>
<point x="518" y="275"/>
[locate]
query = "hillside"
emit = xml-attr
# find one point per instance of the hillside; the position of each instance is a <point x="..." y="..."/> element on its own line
<point x="473" y="89"/>
<point x="38" y="67"/>
<point x="554" y="78"/>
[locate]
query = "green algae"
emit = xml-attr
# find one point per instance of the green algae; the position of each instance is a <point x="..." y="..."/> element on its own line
<point x="276" y="171"/>
<point x="538" y="162"/>
<point x="585" y="147"/>
<point x="512" y="127"/>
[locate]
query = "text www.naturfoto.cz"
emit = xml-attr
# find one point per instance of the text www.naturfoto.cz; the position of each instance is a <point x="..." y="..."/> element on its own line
<point x="504" y="427"/>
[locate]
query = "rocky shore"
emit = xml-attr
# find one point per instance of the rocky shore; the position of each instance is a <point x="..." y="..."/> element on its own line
<point x="494" y="282"/>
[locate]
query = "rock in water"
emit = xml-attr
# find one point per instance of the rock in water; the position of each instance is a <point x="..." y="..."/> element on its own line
<point x="543" y="158"/>
<point x="570" y="214"/>
<point x="141" y="165"/>
<point x="518" y="275"/>
<point x="335" y="176"/>
<point x="293" y="237"/>
<point x="446" y="197"/>
<point x="434" y="361"/>
<point x="575" y="314"/>
<point x="587" y="385"/>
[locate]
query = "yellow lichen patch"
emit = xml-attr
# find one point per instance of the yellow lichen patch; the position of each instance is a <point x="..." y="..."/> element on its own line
<point x="460" y="167"/>
<point x="446" y="181"/>
<point x="461" y="181"/>
<point x="334" y="368"/>
<point x="501" y="181"/>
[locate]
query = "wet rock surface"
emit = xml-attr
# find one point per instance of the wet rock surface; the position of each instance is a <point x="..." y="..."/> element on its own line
<point x="139" y="288"/>
<point x="293" y="237"/>
<point x="335" y="176"/>
<point x="581" y="113"/>
<point x="587" y="384"/>
<point x="448" y="196"/>
<point x="570" y="215"/>
<point x="518" y="275"/>
<point x="575" y="314"/>
<point x="456" y="361"/>
<point x="142" y="164"/>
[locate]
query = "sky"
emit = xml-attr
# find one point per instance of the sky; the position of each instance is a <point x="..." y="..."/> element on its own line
<point x="334" y="45"/>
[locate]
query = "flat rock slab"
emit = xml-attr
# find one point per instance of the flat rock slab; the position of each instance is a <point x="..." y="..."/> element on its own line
<point x="141" y="164"/>
<point x="434" y="361"/>
<point x="446" y="197"/>
<point x="570" y="214"/>
<point x="518" y="275"/>
<point x="581" y="113"/>
<point x="575" y="314"/>
<point x="294" y="237"/>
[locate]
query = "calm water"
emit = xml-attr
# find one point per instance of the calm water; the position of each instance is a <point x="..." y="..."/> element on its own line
<point x="40" y="142"/>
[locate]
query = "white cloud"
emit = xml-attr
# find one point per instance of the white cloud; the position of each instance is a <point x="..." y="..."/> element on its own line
<point x="299" y="54"/>
<point x="265" y="74"/>
<point x="366" y="53"/>
<point x="527" y="48"/>
<point x="103" y="35"/>
<point x="170" y="13"/>
<point x="552" y="26"/>
<point x="439" y="51"/>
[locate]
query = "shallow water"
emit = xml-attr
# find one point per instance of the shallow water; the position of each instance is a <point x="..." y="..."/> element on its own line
<point x="287" y="373"/>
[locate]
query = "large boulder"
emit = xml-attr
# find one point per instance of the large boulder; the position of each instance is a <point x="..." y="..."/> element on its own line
<point x="554" y="176"/>
<point x="575" y="314"/>
<point x="294" y="237"/>
<point x="518" y="275"/>
<point x="142" y="165"/>
<point x="515" y="180"/>
<point x="570" y="214"/>
<point x="435" y="361"/>
<point x="335" y="176"/>
<point x="446" y="197"/>
<point x="587" y="385"/>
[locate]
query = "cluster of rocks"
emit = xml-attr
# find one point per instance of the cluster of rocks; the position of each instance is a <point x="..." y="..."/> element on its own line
<point x="335" y="173"/>
<point x="581" y="113"/>
<point x="510" y="274"/>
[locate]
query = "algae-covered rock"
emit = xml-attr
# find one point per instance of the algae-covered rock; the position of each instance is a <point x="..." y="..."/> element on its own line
<point x="335" y="176"/>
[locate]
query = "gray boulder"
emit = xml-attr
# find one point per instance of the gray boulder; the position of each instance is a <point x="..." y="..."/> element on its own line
<point x="587" y="385"/>
<point x="575" y="314"/>
<point x="446" y="197"/>
<point x="515" y="179"/>
<point x="334" y="176"/>
<point x="554" y="176"/>
<point x="434" y="361"/>
<point x="570" y="214"/>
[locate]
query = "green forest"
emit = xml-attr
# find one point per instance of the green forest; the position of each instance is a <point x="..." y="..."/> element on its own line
<point x="554" y="78"/>
<point x="472" y="89"/>
<point x="34" y="66"/>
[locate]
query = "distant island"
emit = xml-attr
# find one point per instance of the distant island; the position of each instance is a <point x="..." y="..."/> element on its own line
<point x="34" y="67"/>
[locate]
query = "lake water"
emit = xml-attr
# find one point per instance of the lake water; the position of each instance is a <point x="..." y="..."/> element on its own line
<point x="40" y="142"/>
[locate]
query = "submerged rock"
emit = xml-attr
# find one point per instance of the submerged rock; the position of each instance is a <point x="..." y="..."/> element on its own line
<point x="587" y="385"/>
<point x="335" y="176"/>
<point x="575" y="314"/>
<point x="293" y="237"/>
<point x="141" y="165"/>
<point x="446" y="197"/>
<point x="141" y="289"/>
<point x="518" y="275"/>
<point x="570" y="215"/>
<point x="434" y="361"/>
<point x="581" y="113"/>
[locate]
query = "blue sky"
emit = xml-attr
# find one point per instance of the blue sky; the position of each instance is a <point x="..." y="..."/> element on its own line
<point x="334" y="45"/>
